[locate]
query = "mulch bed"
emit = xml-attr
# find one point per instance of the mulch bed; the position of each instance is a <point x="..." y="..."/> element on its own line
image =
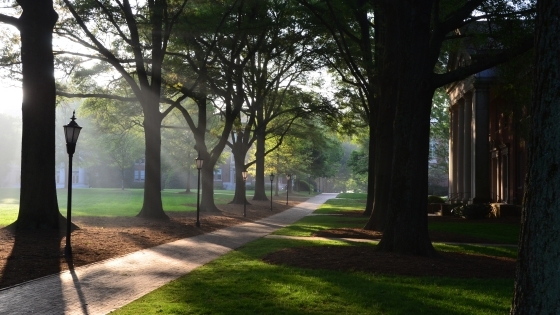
<point x="367" y="259"/>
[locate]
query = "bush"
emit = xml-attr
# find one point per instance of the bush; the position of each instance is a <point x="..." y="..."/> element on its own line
<point x="473" y="211"/>
<point x="435" y="199"/>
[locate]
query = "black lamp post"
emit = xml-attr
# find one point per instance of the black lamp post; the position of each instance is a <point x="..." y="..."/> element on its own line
<point x="288" y="177"/>
<point x="199" y="163"/>
<point x="271" y="180"/>
<point x="244" y="175"/>
<point x="309" y="182"/>
<point x="71" y="132"/>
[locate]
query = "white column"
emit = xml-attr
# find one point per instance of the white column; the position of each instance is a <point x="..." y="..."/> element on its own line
<point x="455" y="154"/>
<point x="451" y="163"/>
<point x="480" y="145"/>
<point x="460" y="149"/>
<point x="467" y="147"/>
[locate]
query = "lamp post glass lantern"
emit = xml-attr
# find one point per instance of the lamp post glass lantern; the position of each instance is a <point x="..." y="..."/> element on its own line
<point x="271" y="180"/>
<point x="199" y="162"/>
<point x="71" y="133"/>
<point x="244" y="175"/>
<point x="288" y="177"/>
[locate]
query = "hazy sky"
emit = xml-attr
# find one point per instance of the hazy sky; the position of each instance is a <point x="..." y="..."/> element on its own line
<point x="10" y="100"/>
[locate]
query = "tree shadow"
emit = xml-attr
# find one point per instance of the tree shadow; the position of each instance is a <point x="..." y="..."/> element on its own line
<point x="34" y="254"/>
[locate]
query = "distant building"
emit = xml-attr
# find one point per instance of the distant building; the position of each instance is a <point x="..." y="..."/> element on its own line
<point x="79" y="177"/>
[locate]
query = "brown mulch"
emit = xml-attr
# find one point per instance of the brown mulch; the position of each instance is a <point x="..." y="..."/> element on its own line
<point x="367" y="259"/>
<point x="33" y="254"/>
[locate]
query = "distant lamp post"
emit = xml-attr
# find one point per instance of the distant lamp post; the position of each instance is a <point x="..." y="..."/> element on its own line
<point x="244" y="175"/>
<point x="288" y="177"/>
<point x="71" y="132"/>
<point x="199" y="163"/>
<point x="309" y="182"/>
<point x="271" y="180"/>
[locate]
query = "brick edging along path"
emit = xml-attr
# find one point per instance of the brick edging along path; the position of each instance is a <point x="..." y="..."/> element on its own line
<point x="105" y="286"/>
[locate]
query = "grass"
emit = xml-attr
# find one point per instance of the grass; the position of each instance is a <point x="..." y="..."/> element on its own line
<point x="500" y="232"/>
<point x="240" y="283"/>
<point x="107" y="202"/>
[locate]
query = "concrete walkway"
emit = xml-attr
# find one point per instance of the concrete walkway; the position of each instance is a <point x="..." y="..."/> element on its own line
<point x="105" y="286"/>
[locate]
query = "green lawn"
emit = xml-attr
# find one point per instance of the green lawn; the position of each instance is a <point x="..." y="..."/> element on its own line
<point x="107" y="202"/>
<point x="498" y="232"/>
<point x="240" y="283"/>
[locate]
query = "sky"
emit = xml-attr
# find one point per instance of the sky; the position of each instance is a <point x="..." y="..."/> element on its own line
<point x="10" y="100"/>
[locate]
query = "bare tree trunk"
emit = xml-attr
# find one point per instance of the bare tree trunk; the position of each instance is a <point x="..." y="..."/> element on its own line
<point x="38" y="201"/>
<point x="260" y="189"/>
<point x="152" y="206"/>
<point x="538" y="278"/>
<point x="238" y="152"/>
<point x="407" y="225"/>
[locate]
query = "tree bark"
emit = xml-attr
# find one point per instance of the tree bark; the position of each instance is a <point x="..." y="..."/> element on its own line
<point x="260" y="176"/>
<point x="38" y="201"/>
<point x="240" y="196"/>
<point x="152" y="206"/>
<point x="407" y="225"/>
<point x="537" y="284"/>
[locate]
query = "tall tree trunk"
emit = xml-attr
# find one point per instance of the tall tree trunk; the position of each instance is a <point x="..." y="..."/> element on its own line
<point x="238" y="152"/>
<point x="537" y="284"/>
<point x="407" y="226"/>
<point x="260" y="176"/>
<point x="383" y="156"/>
<point x="207" y="182"/>
<point x="188" y="183"/>
<point x="38" y="202"/>
<point x="152" y="207"/>
<point x="371" y="175"/>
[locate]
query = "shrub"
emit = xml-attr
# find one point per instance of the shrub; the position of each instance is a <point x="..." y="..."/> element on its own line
<point x="435" y="199"/>
<point x="473" y="211"/>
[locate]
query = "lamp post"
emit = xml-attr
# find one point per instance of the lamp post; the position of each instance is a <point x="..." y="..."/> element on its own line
<point x="271" y="180"/>
<point x="309" y="183"/>
<point x="199" y="163"/>
<point x="244" y="175"/>
<point x="288" y="177"/>
<point x="71" y="133"/>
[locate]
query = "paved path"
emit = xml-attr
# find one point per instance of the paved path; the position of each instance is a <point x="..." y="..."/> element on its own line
<point x="105" y="286"/>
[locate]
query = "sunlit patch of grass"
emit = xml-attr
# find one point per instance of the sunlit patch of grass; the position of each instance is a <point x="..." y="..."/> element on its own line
<point x="240" y="283"/>
<point x="107" y="202"/>
<point x="359" y="196"/>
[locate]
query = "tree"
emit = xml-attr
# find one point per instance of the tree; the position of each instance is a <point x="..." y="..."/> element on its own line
<point x="142" y="33"/>
<point x="38" y="201"/>
<point x="418" y="32"/>
<point x="401" y="75"/>
<point x="537" y="282"/>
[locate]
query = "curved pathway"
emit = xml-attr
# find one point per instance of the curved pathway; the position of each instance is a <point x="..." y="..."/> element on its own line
<point x="105" y="286"/>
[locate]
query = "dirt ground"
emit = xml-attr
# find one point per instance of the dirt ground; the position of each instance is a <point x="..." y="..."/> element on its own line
<point x="30" y="255"/>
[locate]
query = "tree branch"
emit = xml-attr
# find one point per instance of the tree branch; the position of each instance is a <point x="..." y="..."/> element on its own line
<point x="10" y="20"/>
<point x="486" y="63"/>
<point x="96" y="95"/>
